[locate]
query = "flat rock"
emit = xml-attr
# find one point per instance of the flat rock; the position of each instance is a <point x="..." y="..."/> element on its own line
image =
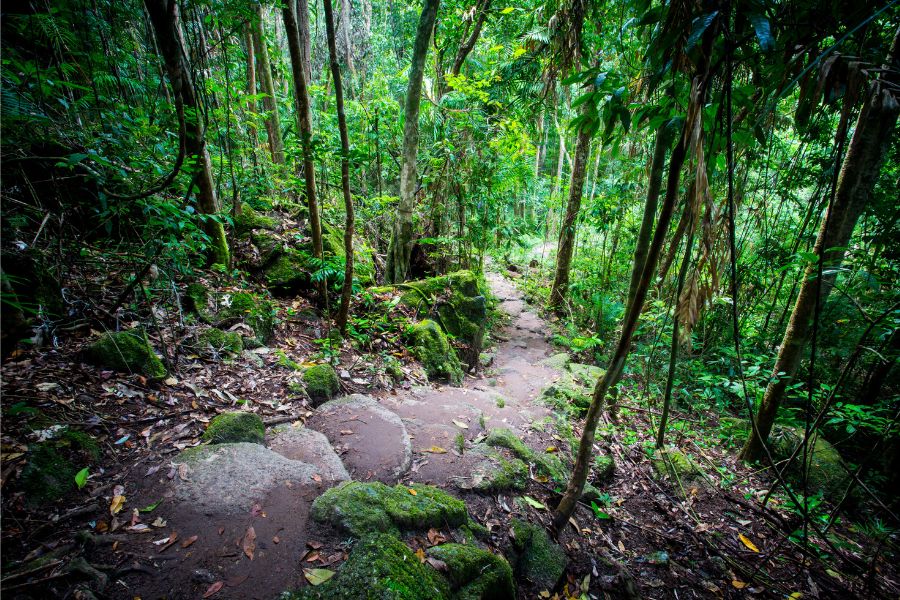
<point x="311" y="447"/>
<point x="371" y="440"/>
<point x="229" y="478"/>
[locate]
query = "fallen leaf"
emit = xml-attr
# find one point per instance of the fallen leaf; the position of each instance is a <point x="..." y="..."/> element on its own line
<point x="314" y="544"/>
<point x="159" y="522"/>
<point x="412" y="492"/>
<point x="460" y="424"/>
<point x="439" y="565"/>
<point x="189" y="541"/>
<point x="746" y="541"/>
<point x="213" y="589"/>
<point x="421" y="555"/>
<point x="80" y="477"/>
<point x="551" y="449"/>
<point x="346" y="432"/>
<point x="738" y="584"/>
<point x="311" y="556"/>
<point x="317" y="478"/>
<point x="237" y="580"/>
<point x="151" y="507"/>
<point x="276" y="540"/>
<point x="534" y="503"/>
<point x="435" y="450"/>
<point x="249" y="542"/>
<point x="317" y="576"/>
<point x="118" y="502"/>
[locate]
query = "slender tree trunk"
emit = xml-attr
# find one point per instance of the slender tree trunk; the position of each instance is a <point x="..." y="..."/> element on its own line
<point x="251" y="81"/>
<point x="344" y="28"/>
<point x="347" y="289"/>
<point x="653" y="188"/>
<point x="264" y="71"/>
<point x="305" y="41"/>
<point x="859" y="172"/>
<point x="401" y="239"/>
<point x="466" y="46"/>
<point x="567" y="231"/>
<point x="304" y="125"/>
<point x="166" y="21"/>
<point x="575" y="486"/>
<point x="539" y="148"/>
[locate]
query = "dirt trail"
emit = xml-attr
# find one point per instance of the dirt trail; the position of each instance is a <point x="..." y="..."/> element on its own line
<point x="407" y="435"/>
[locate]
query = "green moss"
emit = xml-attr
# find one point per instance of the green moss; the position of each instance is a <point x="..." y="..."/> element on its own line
<point x="249" y="220"/>
<point x="379" y="567"/>
<point x="52" y="465"/>
<point x="604" y="466"/>
<point x="321" y="383"/>
<point x="289" y="273"/>
<point x="586" y="375"/>
<point x="219" y="254"/>
<point x="127" y="351"/>
<point x="267" y="244"/>
<point x="333" y="244"/>
<point x="363" y="508"/>
<point x="220" y="342"/>
<point x="196" y="298"/>
<point x="500" y="475"/>
<point x="474" y="573"/>
<point x="549" y="465"/>
<point x="232" y="427"/>
<point x="567" y="395"/>
<point x="558" y="361"/>
<point x="431" y="347"/>
<point x="537" y="558"/>
<point x="825" y="472"/>
<point x="286" y="362"/>
<point x="677" y="465"/>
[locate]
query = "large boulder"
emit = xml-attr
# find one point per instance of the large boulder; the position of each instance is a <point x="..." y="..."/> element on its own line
<point x="226" y="309"/>
<point x="572" y="390"/>
<point x="50" y="471"/>
<point x="364" y="508"/>
<point x="127" y="351"/>
<point x="308" y="446"/>
<point x="321" y="383"/>
<point x="431" y="347"/>
<point x="229" y="478"/>
<point x="475" y="574"/>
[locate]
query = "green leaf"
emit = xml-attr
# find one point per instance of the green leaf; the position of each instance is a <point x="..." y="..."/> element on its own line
<point x="534" y="503"/>
<point x="763" y="31"/>
<point x="150" y="508"/>
<point x="81" y="477"/>
<point x="317" y="576"/>
<point x="507" y="10"/>
<point x="700" y="25"/>
<point x="598" y="512"/>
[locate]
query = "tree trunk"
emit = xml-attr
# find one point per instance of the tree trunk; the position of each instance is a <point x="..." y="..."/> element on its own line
<point x="862" y="164"/>
<point x="264" y="71"/>
<point x="166" y="21"/>
<point x="401" y="238"/>
<point x="575" y="486"/>
<point x="653" y="189"/>
<point x="567" y="231"/>
<point x="347" y="289"/>
<point x="304" y="124"/>
<point x="251" y="82"/>
<point x="466" y="46"/>
<point x="305" y="41"/>
<point x="344" y="27"/>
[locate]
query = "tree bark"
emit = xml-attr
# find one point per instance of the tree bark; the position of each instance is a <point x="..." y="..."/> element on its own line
<point x="251" y="81"/>
<point x="466" y="46"/>
<point x="264" y="71"/>
<point x="344" y="27"/>
<point x="347" y="289"/>
<point x="304" y="124"/>
<point x="859" y="172"/>
<point x="567" y="231"/>
<point x="166" y="21"/>
<point x="401" y="238"/>
<point x="305" y="37"/>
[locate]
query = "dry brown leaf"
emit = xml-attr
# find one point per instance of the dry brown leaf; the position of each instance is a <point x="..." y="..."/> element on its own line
<point x="189" y="541"/>
<point x="211" y="590"/>
<point x="249" y="542"/>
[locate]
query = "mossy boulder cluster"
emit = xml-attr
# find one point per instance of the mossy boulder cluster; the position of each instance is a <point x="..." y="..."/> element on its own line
<point x="129" y="351"/>
<point x="381" y="565"/>
<point x="680" y="468"/>
<point x="232" y="427"/>
<point x="53" y="464"/>
<point x="456" y="302"/>
<point x="536" y="557"/>
<point x="429" y="344"/>
<point x="572" y="390"/>
<point x="216" y="342"/>
<point x="321" y="383"/>
<point x="285" y="267"/>
<point x="826" y="473"/>
<point x="225" y="309"/>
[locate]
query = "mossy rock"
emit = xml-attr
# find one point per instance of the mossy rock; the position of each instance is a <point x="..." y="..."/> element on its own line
<point x="604" y="467"/>
<point x="475" y="574"/>
<point x="321" y="383"/>
<point x="586" y="375"/>
<point x="268" y="247"/>
<point x="379" y="567"/>
<point x="535" y="556"/>
<point x="52" y="465"/>
<point x="431" y="347"/>
<point x="232" y="427"/>
<point x="250" y="219"/>
<point x="457" y="303"/>
<point x="224" y="309"/>
<point x="826" y="472"/>
<point x="289" y="273"/>
<point x="196" y="298"/>
<point x="499" y="474"/>
<point x="546" y="464"/>
<point x="559" y="361"/>
<point x="127" y="351"/>
<point x="567" y="394"/>
<point x="218" y="342"/>
<point x="364" y="508"/>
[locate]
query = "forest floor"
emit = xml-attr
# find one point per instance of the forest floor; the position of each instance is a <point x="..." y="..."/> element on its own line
<point x="645" y="537"/>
